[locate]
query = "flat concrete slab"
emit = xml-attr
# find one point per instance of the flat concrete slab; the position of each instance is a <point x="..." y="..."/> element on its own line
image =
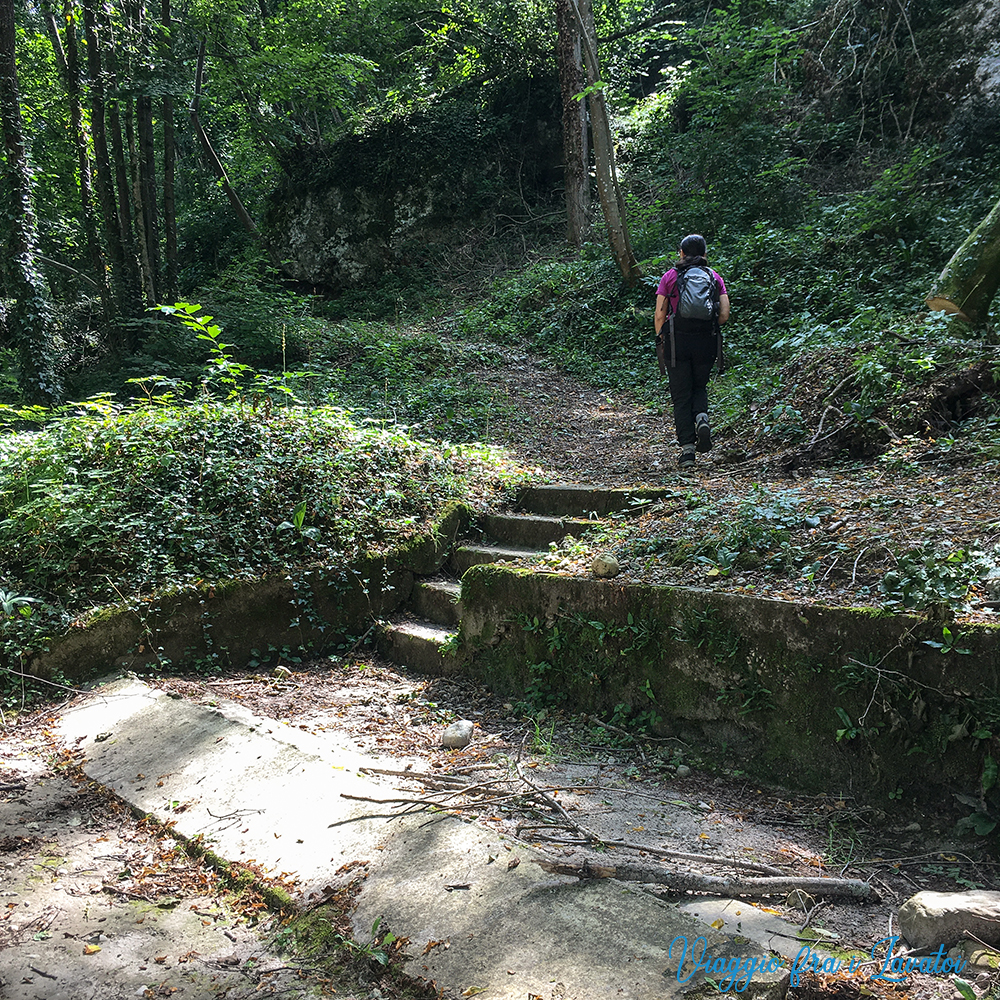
<point x="258" y="790"/>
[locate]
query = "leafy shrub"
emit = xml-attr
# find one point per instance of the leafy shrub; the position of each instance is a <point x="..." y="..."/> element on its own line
<point x="926" y="575"/>
<point x="105" y="502"/>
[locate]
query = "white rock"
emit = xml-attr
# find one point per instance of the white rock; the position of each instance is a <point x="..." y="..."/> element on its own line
<point x="457" y="735"/>
<point x="605" y="565"/>
<point x="683" y="771"/>
<point x="932" y="918"/>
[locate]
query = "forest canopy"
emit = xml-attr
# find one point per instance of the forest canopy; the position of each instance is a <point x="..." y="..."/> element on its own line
<point x="305" y="161"/>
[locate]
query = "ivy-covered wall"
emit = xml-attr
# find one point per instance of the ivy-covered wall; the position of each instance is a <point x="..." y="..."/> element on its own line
<point x="396" y="192"/>
<point x="230" y="624"/>
<point x="857" y="702"/>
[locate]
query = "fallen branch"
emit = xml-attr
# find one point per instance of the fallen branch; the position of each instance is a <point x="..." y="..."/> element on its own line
<point x="822" y="420"/>
<point x="645" y="737"/>
<point x="714" y="884"/>
<point x="660" y="852"/>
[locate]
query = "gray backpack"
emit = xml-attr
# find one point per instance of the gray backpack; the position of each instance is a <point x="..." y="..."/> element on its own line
<point x="698" y="294"/>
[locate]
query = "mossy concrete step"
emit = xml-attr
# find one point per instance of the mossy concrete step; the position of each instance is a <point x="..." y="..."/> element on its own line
<point x="419" y="646"/>
<point x="437" y="601"/>
<point x="574" y="501"/>
<point x="472" y="555"/>
<point x="533" y="530"/>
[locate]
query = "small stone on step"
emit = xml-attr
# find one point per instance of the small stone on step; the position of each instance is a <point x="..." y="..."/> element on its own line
<point x="683" y="771"/>
<point x="605" y="565"/>
<point x="457" y="735"/>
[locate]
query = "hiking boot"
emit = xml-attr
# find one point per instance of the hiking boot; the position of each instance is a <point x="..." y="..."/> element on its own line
<point x="704" y="431"/>
<point x="685" y="460"/>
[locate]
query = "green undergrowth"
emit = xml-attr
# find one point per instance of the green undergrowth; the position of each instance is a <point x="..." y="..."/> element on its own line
<point x="102" y="504"/>
<point x="846" y="541"/>
<point x="843" y="277"/>
<point x="411" y="374"/>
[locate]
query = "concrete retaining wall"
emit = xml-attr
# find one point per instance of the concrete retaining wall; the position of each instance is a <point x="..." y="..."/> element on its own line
<point x="232" y="623"/>
<point x="755" y="684"/>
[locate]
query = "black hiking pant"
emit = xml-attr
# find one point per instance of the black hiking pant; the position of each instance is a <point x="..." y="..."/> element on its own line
<point x="695" y="355"/>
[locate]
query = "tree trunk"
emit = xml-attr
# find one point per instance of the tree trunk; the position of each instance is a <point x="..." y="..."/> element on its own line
<point x="971" y="278"/>
<point x="116" y="305"/>
<point x="147" y="190"/>
<point x="574" y="123"/>
<point x="171" y="277"/>
<point x="219" y="169"/>
<point x="68" y="59"/>
<point x="612" y="203"/>
<point x="31" y="323"/>
<point x="116" y="128"/>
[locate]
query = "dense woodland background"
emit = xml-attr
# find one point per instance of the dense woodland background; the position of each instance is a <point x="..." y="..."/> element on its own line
<point x="365" y="202"/>
<point x="293" y="164"/>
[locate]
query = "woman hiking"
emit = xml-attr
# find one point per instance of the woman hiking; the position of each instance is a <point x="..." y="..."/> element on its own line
<point x="691" y="305"/>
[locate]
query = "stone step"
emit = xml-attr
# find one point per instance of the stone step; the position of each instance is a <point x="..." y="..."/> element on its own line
<point x="571" y="500"/>
<point x="472" y="555"/>
<point x="437" y="601"/>
<point x="533" y="530"/>
<point x="419" y="646"/>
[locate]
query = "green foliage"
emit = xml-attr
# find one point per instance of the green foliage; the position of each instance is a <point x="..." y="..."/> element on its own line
<point x="928" y="575"/>
<point x="436" y="387"/>
<point x="948" y="645"/>
<point x="760" y="535"/>
<point x="715" y="138"/>
<point x="705" y="631"/>
<point x="103" y="503"/>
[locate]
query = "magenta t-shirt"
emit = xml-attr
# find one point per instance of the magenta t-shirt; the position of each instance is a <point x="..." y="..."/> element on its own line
<point x="668" y="287"/>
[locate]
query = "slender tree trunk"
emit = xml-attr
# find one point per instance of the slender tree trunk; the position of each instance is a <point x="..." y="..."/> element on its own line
<point x="970" y="280"/>
<point x="147" y="185"/>
<point x="612" y="203"/>
<point x="574" y="123"/>
<point x="117" y="109"/>
<point x="103" y="175"/>
<point x="31" y="322"/>
<point x="139" y="142"/>
<point x="171" y="277"/>
<point x="219" y="169"/>
<point x="68" y="59"/>
<point x="133" y="115"/>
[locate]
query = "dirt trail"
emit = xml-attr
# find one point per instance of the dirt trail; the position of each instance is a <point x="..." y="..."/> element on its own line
<point x="85" y="879"/>
<point x="832" y="532"/>
<point x="80" y="872"/>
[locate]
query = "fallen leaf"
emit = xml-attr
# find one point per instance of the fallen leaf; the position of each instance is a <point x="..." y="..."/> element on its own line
<point x="513" y="863"/>
<point x="718" y="924"/>
<point x="91" y="949"/>
<point x="473" y="990"/>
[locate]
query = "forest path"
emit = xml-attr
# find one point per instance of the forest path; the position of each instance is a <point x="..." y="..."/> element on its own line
<point x="824" y="532"/>
<point x="577" y="432"/>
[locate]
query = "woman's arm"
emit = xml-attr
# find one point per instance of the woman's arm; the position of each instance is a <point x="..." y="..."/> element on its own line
<point x="723" y="308"/>
<point x="661" y="312"/>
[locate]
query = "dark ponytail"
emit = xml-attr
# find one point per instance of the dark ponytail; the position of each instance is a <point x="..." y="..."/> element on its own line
<point x="696" y="252"/>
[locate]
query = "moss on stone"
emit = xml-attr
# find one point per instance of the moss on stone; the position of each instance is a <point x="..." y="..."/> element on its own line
<point x="425" y="553"/>
<point x="757" y="677"/>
